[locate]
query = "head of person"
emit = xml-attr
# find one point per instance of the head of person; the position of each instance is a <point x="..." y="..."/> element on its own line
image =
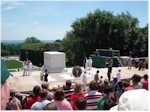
<point x="36" y="90"/>
<point x="81" y="103"/>
<point x="126" y="83"/>
<point x="68" y="83"/>
<point x="101" y="77"/>
<point x="115" y="79"/>
<point x="12" y="93"/>
<point x="145" y="77"/>
<point x="97" y="71"/>
<point x="55" y="87"/>
<point x="106" y="82"/>
<point x="43" y="94"/>
<point x="45" y="85"/>
<point x="93" y="85"/>
<point x="51" y="106"/>
<point x="59" y="94"/>
<point x="119" y="70"/>
<point x="120" y="84"/>
<point x="100" y="88"/>
<point x="45" y="70"/>
<point x="84" y="72"/>
<point x="108" y="104"/>
<point x="78" y="88"/>
<point x="108" y="90"/>
<point x="136" y="78"/>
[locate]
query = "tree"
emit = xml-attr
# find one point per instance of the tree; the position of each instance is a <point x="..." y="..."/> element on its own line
<point x="101" y="30"/>
<point x="32" y="40"/>
<point x="5" y="53"/>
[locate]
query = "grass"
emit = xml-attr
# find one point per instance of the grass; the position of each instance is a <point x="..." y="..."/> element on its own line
<point x="13" y="64"/>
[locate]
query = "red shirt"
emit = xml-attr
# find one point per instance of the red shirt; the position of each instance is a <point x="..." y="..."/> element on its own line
<point x="145" y="84"/>
<point x="30" y="101"/>
<point x="74" y="97"/>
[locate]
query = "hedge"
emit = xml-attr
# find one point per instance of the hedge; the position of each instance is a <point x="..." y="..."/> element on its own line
<point x="35" y="51"/>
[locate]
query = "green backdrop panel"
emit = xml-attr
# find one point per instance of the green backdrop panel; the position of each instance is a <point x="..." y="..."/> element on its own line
<point x="98" y="62"/>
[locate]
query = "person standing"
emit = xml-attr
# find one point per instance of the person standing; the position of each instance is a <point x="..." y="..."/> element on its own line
<point x="86" y="64"/>
<point x="41" y="74"/>
<point x="109" y="71"/>
<point x="46" y="76"/>
<point x="96" y="77"/>
<point x="84" y="80"/>
<point x="129" y="62"/>
<point x="118" y="76"/>
<point x="140" y="64"/>
<point x="146" y="63"/>
<point x="101" y="80"/>
<point x="29" y="67"/>
<point x="136" y="61"/>
<point x="90" y="63"/>
<point x="24" y="68"/>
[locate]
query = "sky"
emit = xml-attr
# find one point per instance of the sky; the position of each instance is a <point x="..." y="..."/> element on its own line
<point x="50" y="20"/>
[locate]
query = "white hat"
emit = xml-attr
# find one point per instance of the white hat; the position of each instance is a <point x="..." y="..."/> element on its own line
<point x="134" y="100"/>
<point x="55" y="87"/>
<point x="115" y="76"/>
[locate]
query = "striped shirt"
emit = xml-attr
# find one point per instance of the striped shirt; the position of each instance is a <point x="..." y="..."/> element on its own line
<point x="92" y="99"/>
<point x="68" y="93"/>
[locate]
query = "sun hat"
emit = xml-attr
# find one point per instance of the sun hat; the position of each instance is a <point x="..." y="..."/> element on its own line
<point x="134" y="100"/>
<point x="55" y="87"/>
<point x="115" y="77"/>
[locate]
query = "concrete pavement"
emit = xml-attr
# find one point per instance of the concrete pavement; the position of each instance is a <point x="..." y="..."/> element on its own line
<point x="26" y="83"/>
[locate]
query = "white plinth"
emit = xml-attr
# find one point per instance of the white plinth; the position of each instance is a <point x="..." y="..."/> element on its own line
<point x="54" y="61"/>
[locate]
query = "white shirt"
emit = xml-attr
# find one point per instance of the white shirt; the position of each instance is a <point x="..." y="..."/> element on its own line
<point x="84" y="78"/>
<point x="118" y="77"/>
<point x="30" y="65"/>
<point x="137" y="59"/>
<point x="90" y="61"/>
<point x="87" y="62"/>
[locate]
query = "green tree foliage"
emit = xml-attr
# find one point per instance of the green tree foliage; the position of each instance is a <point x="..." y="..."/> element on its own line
<point x="32" y="40"/>
<point x="5" y="53"/>
<point x="10" y="49"/>
<point x="101" y="30"/>
<point x="34" y="52"/>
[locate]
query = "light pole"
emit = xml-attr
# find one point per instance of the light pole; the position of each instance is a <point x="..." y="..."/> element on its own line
<point x="26" y="55"/>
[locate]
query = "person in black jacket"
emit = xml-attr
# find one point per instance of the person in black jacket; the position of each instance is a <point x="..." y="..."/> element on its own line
<point x="109" y="71"/>
<point x="45" y="76"/>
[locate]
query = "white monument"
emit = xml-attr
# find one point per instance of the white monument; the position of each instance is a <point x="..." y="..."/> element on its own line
<point x="54" y="61"/>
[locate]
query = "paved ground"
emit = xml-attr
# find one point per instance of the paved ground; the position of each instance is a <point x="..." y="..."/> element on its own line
<point x="26" y="83"/>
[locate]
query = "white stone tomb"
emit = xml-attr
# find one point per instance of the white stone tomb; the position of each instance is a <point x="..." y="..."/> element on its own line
<point x="54" y="61"/>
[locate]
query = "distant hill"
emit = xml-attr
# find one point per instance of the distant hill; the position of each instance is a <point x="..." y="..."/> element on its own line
<point x="21" y="41"/>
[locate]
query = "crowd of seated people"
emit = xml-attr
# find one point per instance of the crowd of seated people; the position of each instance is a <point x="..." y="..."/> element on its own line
<point x="101" y="95"/>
